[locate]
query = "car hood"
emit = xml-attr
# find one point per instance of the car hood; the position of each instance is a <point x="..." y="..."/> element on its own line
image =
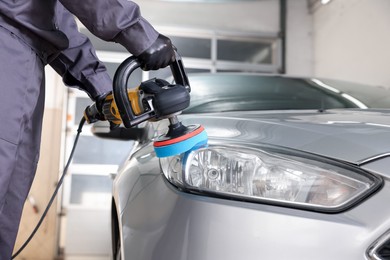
<point x="354" y="136"/>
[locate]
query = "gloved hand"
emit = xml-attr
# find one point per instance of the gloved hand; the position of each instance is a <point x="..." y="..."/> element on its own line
<point x="101" y="110"/>
<point x="103" y="105"/>
<point x="159" y="55"/>
<point x="99" y="105"/>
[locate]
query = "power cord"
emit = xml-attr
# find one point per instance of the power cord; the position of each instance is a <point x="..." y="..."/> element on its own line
<point x="81" y="124"/>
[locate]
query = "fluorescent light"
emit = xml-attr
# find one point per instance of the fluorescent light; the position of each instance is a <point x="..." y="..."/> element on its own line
<point x="354" y="100"/>
<point x="324" y="2"/>
<point x="322" y="84"/>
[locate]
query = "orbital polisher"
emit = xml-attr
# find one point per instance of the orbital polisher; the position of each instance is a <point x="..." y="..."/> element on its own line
<point x="153" y="100"/>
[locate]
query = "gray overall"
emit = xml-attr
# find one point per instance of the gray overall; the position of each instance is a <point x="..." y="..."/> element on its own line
<point x="34" y="33"/>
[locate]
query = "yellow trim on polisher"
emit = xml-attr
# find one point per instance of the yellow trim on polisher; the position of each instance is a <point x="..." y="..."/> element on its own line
<point x="134" y="98"/>
<point x="114" y="110"/>
<point x="113" y="114"/>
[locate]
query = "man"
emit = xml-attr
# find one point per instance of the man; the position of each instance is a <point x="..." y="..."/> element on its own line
<point x="34" y="33"/>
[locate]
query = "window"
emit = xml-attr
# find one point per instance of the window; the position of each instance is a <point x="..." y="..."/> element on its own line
<point x="256" y="52"/>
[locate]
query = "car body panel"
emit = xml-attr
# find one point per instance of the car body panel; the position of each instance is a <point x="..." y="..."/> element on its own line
<point x="379" y="166"/>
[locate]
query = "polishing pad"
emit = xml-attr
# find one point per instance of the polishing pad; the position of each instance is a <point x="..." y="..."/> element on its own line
<point x="194" y="135"/>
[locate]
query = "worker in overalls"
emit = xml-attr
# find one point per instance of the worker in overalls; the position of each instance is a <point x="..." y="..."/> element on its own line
<point x="34" y="33"/>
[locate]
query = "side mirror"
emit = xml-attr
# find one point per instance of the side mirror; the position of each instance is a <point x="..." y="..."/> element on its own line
<point x="102" y="129"/>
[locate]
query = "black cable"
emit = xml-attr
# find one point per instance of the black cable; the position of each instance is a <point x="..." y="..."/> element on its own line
<point x="82" y="121"/>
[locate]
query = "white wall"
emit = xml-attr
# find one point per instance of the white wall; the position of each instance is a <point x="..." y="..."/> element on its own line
<point x="299" y="47"/>
<point x="352" y="41"/>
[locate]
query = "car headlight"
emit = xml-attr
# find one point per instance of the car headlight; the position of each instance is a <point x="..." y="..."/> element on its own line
<point x="270" y="176"/>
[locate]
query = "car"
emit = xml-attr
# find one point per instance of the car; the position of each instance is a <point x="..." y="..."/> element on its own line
<point x="294" y="168"/>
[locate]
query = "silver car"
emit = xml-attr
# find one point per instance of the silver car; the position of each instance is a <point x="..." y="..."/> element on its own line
<point x="295" y="168"/>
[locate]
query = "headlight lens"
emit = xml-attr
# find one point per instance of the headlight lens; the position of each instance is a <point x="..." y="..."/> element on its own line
<point x="270" y="177"/>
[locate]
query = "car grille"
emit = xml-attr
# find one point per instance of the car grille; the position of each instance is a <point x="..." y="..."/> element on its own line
<point x="380" y="250"/>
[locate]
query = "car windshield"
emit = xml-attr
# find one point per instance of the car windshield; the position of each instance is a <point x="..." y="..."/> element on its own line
<point x="241" y="92"/>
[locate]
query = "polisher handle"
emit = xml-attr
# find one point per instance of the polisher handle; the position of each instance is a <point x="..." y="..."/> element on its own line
<point x="179" y="73"/>
<point x="122" y="101"/>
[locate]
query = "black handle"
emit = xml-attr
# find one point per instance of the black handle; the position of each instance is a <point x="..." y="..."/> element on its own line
<point x="121" y="79"/>
<point x="179" y="73"/>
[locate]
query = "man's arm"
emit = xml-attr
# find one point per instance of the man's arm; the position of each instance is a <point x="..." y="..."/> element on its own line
<point x="78" y="64"/>
<point x="111" y="20"/>
<point x="116" y="21"/>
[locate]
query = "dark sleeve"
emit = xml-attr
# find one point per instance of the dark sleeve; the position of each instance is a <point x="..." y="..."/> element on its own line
<point x="116" y="21"/>
<point x="78" y="64"/>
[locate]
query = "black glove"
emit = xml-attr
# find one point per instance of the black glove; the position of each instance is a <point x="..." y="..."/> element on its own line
<point x="103" y="105"/>
<point x="99" y="101"/>
<point x="159" y="55"/>
<point x="96" y="111"/>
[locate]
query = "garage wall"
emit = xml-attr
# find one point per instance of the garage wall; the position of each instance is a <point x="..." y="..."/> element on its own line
<point x="299" y="44"/>
<point x="261" y="17"/>
<point x="351" y="39"/>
